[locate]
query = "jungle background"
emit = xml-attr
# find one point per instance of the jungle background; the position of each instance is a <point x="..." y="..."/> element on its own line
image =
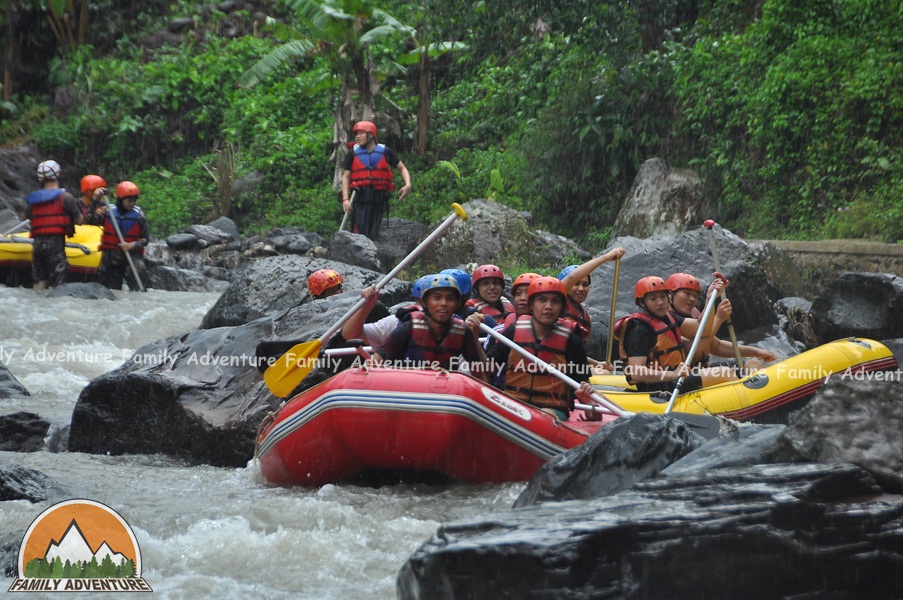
<point x="791" y="112"/>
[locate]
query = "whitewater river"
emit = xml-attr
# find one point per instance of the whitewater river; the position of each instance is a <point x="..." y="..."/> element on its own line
<point x="205" y="532"/>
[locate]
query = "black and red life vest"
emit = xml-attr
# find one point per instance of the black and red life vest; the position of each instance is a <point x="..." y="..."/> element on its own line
<point x="577" y="313"/>
<point x="527" y="381"/>
<point x="128" y="225"/>
<point x="423" y="346"/>
<point x="371" y="169"/>
<point x="668" y="351"/>
<point x="48" y="215"/>
<point x="483" y="307"/>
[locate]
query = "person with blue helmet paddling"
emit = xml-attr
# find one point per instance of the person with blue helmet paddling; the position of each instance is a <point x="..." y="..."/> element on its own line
<point x="576" y="280"/>
<point x="53" y="213"/>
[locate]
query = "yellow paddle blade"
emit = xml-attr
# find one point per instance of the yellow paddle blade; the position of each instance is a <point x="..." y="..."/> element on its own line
<point x="292" y="367"/>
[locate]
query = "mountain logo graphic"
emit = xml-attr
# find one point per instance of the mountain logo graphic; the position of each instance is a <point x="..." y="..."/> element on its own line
<point x="79" y="546"/>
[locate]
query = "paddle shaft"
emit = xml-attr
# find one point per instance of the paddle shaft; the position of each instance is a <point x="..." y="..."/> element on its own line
<point x="350" y="208"/>
<point x="730" y="323"/>
<point x="611" y="406"/>
<point x="459" y="212"/>
<point x="611" y="318"/>
<point x="21" y="225"/>
<point x="709" y="306"/>
<point x="128" y="255"/>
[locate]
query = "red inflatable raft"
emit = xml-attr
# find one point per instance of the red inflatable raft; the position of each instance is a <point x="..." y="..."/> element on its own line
<point x="426" y="421"/>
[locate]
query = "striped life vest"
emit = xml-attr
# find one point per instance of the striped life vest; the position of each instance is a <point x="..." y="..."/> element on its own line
<point x="48" y="216"/>
<point x="423" y="346"/>
<point x="371" y="169"/>
<point x="577" y="313"/>
<point x="495" y="312"/>
<point x="668" y="351"/>
<point x="128" y="225"/>
<point x="527" y="381"/>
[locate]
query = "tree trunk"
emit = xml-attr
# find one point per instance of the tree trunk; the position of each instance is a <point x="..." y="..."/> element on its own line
<point x="423" y="108"/>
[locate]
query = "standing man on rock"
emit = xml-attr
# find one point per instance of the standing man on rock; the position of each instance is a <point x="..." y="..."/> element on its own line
<point x="368" y="173"/>
<point x="54" y="213"/>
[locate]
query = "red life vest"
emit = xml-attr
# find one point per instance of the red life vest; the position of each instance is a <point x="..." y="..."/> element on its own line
<point x="128" y="225"/>
<point x="578" y="314"/>
<point x="527" y="381"/>
<point x="371" y="169"/>
<point x="48" y="217"/>
<point x="423" y="347"/>
<point x="701" y="357"/>
<point x="668" y="351"/>
<point x="485" y="308"/>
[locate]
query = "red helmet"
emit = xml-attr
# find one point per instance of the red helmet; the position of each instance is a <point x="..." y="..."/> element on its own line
<point x="487" y="272"/>
<point x="92" y="182"/>
<point x="524" y="279"/>
<point x="127" y="189"/>
<point x="367" y="126"/>
<point x="322" y="280"/>
<point x="542" y="285"/>
<point x="681" y="281"/>
<point x="647" y="285"/>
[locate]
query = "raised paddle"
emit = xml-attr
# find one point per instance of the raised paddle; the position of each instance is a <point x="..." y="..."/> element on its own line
<point x="730" y="324"/>
<point x="705" y="425"/>
<point x="112" y="216"/>
<point x="709" y="306"/>
<point x="611" y="318"/>
<point x="296" y="364"/>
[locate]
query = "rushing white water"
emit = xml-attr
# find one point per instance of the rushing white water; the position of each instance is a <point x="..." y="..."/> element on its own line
<point x="206" y="532"/>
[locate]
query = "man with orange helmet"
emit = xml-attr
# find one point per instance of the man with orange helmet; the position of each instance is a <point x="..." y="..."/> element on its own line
<point x="368" y="172"/>
<point x="54" y="213"/>
<point x="93" y="208"/>
<point x="324" y="283"/>
<point x="556" y="341"/>
<point x="114" y="266"/>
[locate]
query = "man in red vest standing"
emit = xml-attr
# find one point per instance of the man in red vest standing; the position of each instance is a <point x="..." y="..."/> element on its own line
<point x="368" y="173"/>
<point x="54" y="213"/>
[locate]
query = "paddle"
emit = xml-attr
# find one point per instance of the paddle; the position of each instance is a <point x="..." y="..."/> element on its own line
<point x="730" y="324"/>
<point x="350" y="208"/>
<point x="84" y="249"/>
<point x="705" y="425"/>
<point x="709" y="306"/>
<point x="128" y="255"/>
<point x="21" y="225"/>
<point x="267" y="350"/>
<point x="296" y="364"/>
<point x="611" y="319"/>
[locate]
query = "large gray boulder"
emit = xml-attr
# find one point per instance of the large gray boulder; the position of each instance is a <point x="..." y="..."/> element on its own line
<point x="23" y="432"/>
<point x="9" y="385"/>
<point x="859" y="304"/>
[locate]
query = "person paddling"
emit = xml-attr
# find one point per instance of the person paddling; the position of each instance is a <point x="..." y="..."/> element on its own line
<point x="132" y="224"/>
<point x="93" y="208"/>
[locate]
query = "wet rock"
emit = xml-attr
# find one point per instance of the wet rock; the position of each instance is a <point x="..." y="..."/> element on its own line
<point x="663" y="201"/>
<point x="85" y="291"/>
<point x="182" y="280"/>
<point x="227" y="226"/>
<point x="23" y="432"/>
<point x="209" y="234"/>
<point x="354" y="249"/>
<point x="397" y="238"/>
<point x="860" y="304"/>
<point x="272" y="285"/>
<point x="21" y="483"/>
<point x="774" y="531"/>
<point x="182" y="241"/>
<point x="611" y="460"/>
<point x="738" y="445"/>
<point x="9" y="385"/>
<point x="197" y="396"/>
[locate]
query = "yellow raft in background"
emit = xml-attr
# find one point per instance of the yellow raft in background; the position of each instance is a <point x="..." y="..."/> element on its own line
<point x="766" y="396"/>
<point x="82" y="251"/>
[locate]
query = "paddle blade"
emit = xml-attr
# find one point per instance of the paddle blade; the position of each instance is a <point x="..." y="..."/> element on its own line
<point x="292" y="367"/>
<point x="269" y="350"/>
<point x="705" y="425"/>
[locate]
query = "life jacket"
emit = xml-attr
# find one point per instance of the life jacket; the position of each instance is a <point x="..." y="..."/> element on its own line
<point x="48" y="217"/>
<point x="527" y="381"/>
<point x="577" y="313"/>
<point x="701" y="357"/>
<point x="485" y="308"/>
<point x="371" y="169"/>
<point x="128" y="225"/>
<point x="424" y="348"/>
<point x="668" y="351"/>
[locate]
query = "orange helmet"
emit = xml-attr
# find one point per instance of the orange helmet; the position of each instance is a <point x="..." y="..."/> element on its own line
<point x="647" y="285"/>
<point x="542" y="285"/>
<point x="680" y="281"/>
<point x="322" y="280"/>
<point x="127" y="189"/>
<point x="367" y="126"/>
<point x="92" y="182"/>
<point x="524" y="279"/>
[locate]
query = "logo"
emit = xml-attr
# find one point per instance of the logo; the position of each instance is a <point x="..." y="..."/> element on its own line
<point x="512" y="406"/>
<point x="79" y="546"/>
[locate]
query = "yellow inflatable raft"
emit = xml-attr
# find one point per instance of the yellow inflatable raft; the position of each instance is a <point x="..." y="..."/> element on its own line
<point x="766" y="396"/>
<point x="82" y="251"/>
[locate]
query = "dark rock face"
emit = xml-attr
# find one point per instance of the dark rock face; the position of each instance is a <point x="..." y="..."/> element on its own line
<point x="182" y="280"/>
<point x="354" y="249"/>
<point x="777" y="531"/>
<point x="20" y="483"/>
<point x="860" y="304"/>
<point x="198" y="396"/>
<point x="9" y="385"/>
<point x="23" y="432"/>
<point x="613" y="459"/>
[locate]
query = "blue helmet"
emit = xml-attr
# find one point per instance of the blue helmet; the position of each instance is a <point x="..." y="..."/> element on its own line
<point x="442" y="281"/>
<point x="463" y="279"/>
<point x="417" y="292"/>
<point x="568" y="270"/>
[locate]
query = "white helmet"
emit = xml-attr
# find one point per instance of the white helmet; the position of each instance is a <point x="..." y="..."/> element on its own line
<point x="48" y="170"/>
